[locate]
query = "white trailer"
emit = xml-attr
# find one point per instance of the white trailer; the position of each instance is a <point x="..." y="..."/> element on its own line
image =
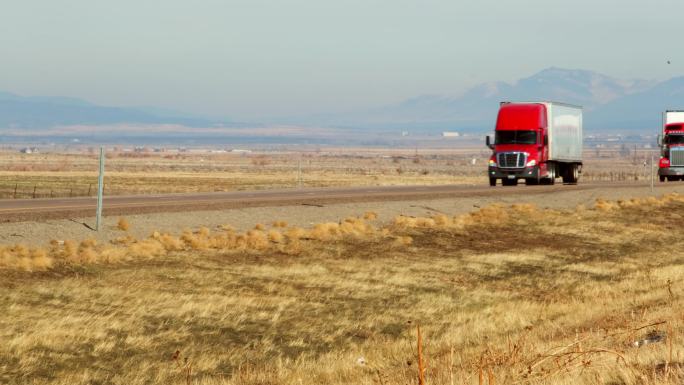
<point x="564" y="127"/>
<point x="672" y="117"/>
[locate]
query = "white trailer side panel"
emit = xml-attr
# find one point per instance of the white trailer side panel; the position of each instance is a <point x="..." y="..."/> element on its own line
<point x="564" y="132"/>
<point x="674" y="117"/>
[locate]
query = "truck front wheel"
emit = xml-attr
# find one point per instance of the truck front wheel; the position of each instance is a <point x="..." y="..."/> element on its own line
<point x="492" y="182"/>
<point x="550" y="175"/>
<point x="662" y="178"/>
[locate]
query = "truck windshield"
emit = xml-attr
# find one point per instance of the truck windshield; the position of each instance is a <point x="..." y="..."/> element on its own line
<point x="516" y="137"/>
<point x="674" y="139"/>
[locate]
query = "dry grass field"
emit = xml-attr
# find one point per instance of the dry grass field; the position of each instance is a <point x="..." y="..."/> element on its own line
<point x="503" y="295"/>
<point x="74" y="173"/>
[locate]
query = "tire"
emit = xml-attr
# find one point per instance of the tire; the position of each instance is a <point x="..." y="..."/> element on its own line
<point x="551" y="179"/>
<point x="492" y="182"/>
<point x="662" y="178"/>
<point x="672" y="178"/>
<point x="532" y="181"/>
<point x="571" y="174"/>
<point x="509" y="182"/>
<point x="565" y="175"/>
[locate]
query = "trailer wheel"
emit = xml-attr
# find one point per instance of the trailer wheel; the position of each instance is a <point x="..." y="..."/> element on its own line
<point x="492" y="182"/>
<point x="509" y="182"/>
<point x="571" y="174"/>
<point x="672" y="178"/>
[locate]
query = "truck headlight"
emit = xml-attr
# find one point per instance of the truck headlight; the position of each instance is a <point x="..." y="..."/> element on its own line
<point x="492" y="163"/>
<point x="531" y="163"/>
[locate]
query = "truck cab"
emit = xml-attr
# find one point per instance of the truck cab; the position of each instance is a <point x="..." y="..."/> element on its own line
<point x="536" y="142"/>
<point x="671" y="142"/>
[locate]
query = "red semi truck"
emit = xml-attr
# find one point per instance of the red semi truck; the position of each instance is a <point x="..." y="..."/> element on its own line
<point x="671" y="142"/>
<point x="536" y="142"/>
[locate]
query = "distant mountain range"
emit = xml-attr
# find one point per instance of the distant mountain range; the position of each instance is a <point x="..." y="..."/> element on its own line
<point x="610" y="105"/>
<point x="43" y="112"/>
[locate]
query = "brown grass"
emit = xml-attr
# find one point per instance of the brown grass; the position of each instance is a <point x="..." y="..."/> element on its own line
<point x="505" y="295"/>
<point x="123" y="224"/>
<point x="73" y="173"/>
<point x="280" y="224"/>
<point x="370" y="215"/>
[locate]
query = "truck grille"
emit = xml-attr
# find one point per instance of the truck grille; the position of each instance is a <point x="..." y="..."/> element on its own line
<point x="677" y="156"/>
<point x="513" y="159"/>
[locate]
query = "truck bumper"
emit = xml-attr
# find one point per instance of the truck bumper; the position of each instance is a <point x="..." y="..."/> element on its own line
<point x="671" y="171"/>
<point x="517" y="173"/>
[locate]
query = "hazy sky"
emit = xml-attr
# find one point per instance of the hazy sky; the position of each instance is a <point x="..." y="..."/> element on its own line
<point x="256" y="58"/>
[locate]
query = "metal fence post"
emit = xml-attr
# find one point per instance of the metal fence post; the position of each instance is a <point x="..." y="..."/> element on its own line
<point x="651" y="172"/>
<point x="100" y="190"/>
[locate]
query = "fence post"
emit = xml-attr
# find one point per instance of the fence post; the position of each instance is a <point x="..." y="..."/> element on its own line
<point x="299" y="172"/>
<point x="15" y="190"/>
<point x="651" y="172"/>
<point x="100" y="190"/>
<point x="34" y="191"/>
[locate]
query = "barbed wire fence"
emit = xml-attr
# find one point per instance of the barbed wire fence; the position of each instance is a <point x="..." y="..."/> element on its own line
<point x="24" y="190"/>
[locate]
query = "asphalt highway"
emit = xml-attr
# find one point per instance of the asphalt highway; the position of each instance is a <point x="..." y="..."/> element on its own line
<point x="57" y="208"/>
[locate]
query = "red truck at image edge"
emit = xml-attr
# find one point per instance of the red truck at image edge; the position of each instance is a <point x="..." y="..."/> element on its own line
<point x="671" y="142"/>
<point x="536" y="142"/>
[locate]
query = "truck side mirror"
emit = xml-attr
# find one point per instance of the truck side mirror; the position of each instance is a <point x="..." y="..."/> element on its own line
<point x="659" y="139"/>
<point x="489" y="143"/>
<point x="546" y="140"/>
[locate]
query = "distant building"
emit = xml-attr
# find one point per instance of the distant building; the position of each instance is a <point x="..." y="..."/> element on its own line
<point x="450" y="134"/>
<point x="29" y="150"/>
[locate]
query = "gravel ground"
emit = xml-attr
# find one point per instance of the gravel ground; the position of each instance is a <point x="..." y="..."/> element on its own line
<point x="142" y="225"/>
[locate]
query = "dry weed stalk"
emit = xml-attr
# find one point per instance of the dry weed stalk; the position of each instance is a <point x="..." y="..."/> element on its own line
<point x="451" y="365"/>
<point x="185" y="368"/>
<point x="421" y="365"/>
<point x="480" y="373"/>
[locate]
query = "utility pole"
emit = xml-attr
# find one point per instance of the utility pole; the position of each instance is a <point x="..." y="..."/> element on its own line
<point x="100" y="190"/>
<point x="634" y="162"/>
